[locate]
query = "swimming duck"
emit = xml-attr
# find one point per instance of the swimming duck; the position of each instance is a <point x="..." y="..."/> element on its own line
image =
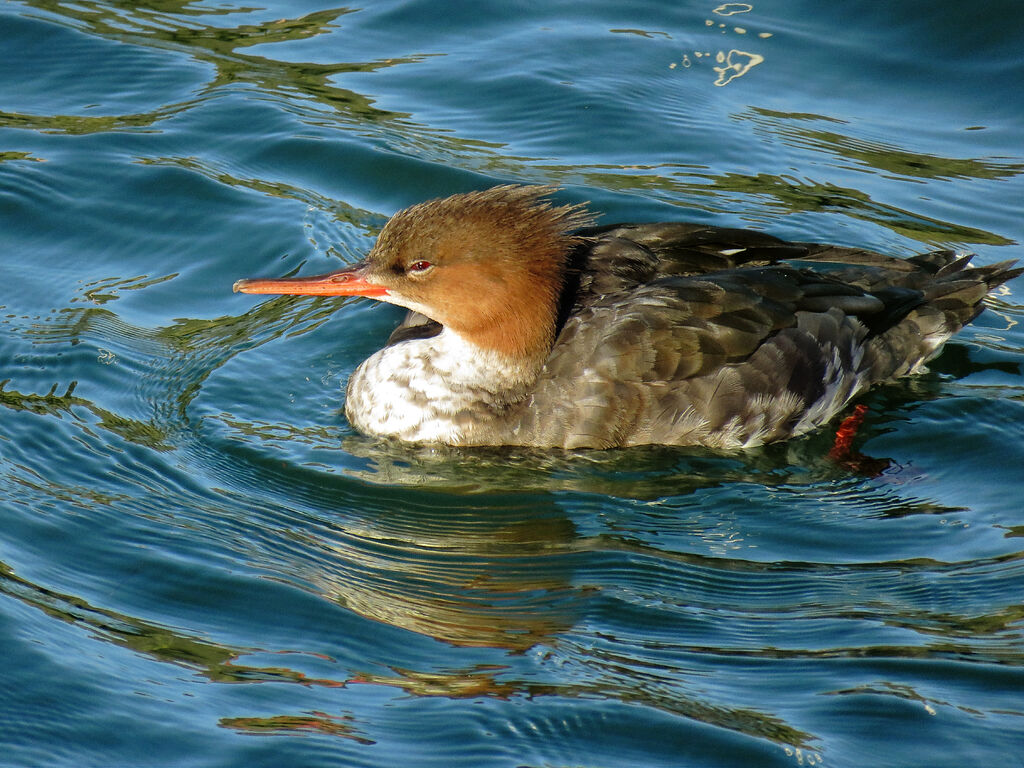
<point x="530" y="326"/>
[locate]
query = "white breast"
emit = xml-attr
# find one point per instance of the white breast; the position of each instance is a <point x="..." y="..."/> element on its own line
<point x="430" y="390"/>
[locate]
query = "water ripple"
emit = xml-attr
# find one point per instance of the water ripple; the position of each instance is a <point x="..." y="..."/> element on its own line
<point x="198" y="550"/>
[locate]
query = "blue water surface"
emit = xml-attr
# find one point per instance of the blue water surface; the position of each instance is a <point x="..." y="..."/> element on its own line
<point x="201" y="564"/>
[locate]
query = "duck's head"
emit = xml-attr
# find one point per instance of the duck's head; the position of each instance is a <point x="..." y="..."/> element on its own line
<point x="488" y="265"/>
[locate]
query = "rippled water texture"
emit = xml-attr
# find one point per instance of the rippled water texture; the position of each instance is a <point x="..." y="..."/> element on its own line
<point x="201" y="564"/>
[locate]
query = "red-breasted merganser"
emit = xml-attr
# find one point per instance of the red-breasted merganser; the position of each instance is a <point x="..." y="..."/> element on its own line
<point x="529" y="326"/>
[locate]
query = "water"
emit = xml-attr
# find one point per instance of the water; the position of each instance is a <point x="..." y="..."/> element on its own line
<point x="202" y="565"/>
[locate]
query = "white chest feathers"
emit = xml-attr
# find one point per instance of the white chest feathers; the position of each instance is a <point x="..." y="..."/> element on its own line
<point x="440" y="389"/>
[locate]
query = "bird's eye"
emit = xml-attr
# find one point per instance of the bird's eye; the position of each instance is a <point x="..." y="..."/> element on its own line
<point x="419" y="267"/>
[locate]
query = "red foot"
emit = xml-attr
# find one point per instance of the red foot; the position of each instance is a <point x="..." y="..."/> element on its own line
<point x="842" y="452"/>
<point x="846" y="432"/>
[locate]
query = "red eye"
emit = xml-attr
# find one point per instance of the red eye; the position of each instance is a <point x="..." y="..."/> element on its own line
<point x="420" y="266"/>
